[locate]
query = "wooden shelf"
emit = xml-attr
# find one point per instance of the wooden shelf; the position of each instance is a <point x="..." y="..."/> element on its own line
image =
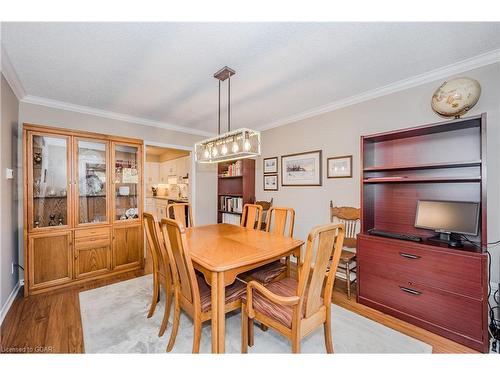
<point x="240" y="176"/>
<point x="475" y="163"/>
<point x="229" y="212"/>
<point x="230" y="195"/>
<point x="421" y="179"/>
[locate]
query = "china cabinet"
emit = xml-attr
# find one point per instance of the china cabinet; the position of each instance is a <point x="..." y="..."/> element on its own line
<point x="83" y="207"/>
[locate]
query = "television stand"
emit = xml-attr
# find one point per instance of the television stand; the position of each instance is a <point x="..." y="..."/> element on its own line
<point x="451" y="239"/>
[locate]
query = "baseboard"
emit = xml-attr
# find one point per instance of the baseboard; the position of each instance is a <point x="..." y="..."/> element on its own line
<point x="10" y="300"/>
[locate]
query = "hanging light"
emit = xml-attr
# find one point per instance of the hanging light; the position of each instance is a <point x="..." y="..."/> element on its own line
<point x="243" y="143"/>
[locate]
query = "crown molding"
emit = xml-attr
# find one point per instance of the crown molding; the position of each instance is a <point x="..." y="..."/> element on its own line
<point x="37" y="100"/>
<point x="478" y="61"/>
<point x="10" y="75"/>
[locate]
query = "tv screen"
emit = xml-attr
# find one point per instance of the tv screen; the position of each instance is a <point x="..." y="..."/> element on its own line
<point x="448" y="216"/>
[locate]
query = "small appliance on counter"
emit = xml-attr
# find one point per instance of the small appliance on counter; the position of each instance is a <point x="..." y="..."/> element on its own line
<point x="155" y="191"/>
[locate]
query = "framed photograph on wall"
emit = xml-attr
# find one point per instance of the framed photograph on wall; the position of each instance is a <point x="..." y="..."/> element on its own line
<point x="271" y="182"/>
<point x="339" y="167"/>
<point x="302" y="169"/>
<point x="271" y="165"/>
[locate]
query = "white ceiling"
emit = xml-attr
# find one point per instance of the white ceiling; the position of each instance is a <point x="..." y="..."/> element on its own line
<point x="163" y="71"/>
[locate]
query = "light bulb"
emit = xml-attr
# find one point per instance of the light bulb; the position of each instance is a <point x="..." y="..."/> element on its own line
<point x="235" y="147"/>
<point x="206" y="154"/>
<point x="214" y="152"/>
<point x="247" y="145"/>
<point x="224" y="149"/>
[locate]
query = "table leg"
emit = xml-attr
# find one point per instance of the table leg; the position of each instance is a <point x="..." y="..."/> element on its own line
<point x="214" y="290"/>
<point x="221" y="313"/>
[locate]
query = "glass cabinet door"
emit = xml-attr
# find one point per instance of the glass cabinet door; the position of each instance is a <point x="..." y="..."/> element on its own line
<point x="49" y="181"/>
<point x="92" y="181"/>
<point x="126" y="179"/>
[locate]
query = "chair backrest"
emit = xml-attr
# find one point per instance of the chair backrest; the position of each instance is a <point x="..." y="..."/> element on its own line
<point x="156" y="245"/>
<point x="323" y="243"/>
<point x="177" y="211"/>
<point x="351" y="218"/>
<point x="183" y="272"/>
<point x="279" y="219"/>
<point x="251" y="217"/>
<point x="266" y="205"/>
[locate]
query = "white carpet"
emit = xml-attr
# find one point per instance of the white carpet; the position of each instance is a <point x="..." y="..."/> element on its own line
<point x="114" y="321"/>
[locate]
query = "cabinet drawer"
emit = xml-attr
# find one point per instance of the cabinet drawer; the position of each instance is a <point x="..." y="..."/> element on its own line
<point x="454" y="313"/>
<point x="418" y="263"/>
<point x="92" y="232"/>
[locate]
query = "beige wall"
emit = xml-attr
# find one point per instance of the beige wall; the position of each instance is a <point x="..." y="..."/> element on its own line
<point x="205" y="177"/>
<point x="338" y="133"/>
<point x="8" y="202"/>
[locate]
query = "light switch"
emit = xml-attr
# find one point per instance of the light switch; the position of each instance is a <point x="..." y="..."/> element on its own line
<point x="9" y="174"/>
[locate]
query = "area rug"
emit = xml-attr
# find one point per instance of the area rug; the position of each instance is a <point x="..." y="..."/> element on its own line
<point x="114" y="320"/>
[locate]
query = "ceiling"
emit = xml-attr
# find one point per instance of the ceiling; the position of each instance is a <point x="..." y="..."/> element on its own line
<point x="163" y="72"/>
<point x="164" y="154"/>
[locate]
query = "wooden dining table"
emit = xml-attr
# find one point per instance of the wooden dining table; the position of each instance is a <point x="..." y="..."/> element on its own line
<point x="222" y="251"/>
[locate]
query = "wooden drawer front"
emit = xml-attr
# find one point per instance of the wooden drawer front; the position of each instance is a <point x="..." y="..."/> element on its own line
<point x="416" y="263"/>
<point x="458" y="314"/>
<point x="93" y="232"/>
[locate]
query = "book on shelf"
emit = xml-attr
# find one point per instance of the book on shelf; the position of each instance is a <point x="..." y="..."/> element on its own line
<point x="228" y="218"/>
<point x="234" y="169"/>
<point x="231" y="204"/>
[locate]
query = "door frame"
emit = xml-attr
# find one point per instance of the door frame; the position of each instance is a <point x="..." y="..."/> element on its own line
<point x="192" y="177"/>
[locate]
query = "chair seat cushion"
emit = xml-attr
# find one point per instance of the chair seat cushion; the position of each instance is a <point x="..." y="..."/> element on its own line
<point x="286" y="287"/>
<point x="233" y="292"/>
<point x="267" y="273"/>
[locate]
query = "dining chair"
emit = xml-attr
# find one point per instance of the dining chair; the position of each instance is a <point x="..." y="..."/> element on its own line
<point x="251" y="217"/>
<point x="280" y="221"/>
<point x="295" y="308"/>
<point x="351" y="218"/>
<point x="177" y="211"/>
<point x="266" y="205"/>
<point x="161" y="269"/>
<point x="192" y="294"/>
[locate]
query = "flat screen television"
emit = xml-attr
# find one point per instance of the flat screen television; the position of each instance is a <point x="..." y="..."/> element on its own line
<point x="448" y="218"/>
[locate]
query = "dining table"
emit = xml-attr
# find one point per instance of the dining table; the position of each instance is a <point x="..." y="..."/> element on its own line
<point x="223" y="251"/>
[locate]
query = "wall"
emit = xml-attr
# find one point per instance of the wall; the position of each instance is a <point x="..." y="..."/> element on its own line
<point x="9" y="201"/>
<point x="206" y="194"/>
<point x="338" y="133"/>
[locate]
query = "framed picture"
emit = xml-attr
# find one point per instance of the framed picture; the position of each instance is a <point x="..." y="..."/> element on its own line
<point x="271" y="165"/>
<point x="271" y="182"/>
<point x="302" y="169"/>
<point x="339" y="167"/>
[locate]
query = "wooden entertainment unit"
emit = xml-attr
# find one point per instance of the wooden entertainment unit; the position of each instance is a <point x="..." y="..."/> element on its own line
<point x="438" y="288"/>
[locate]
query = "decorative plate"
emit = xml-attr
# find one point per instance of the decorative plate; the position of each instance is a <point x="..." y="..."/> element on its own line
<point x="131" y="213"/>
<point x="456" y="96"/>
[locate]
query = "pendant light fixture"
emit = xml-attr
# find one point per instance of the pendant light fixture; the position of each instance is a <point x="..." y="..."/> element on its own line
<point x="237" y="144"/>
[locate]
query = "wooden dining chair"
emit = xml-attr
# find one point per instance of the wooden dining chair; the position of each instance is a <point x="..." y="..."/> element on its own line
<point x="351" y="218"/>
<point x="266" y="205"/>
<point x="161" y="269"/>
<point x="251" y="217"/>
<point x="280" y="221"/>
<point x="295" y="308"/>
<point x="177" y="211"/>
<point x="192" y="294"/>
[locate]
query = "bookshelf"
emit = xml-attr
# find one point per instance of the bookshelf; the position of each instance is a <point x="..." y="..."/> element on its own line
<point x="236" y="184"/>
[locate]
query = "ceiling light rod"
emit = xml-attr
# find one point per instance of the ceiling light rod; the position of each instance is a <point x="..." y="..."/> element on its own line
<point x="222" y="75"/>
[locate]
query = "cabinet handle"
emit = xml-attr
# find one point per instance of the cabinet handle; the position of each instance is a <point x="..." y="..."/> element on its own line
<point x="409" y="256"/>
<point x="410" y="291"/>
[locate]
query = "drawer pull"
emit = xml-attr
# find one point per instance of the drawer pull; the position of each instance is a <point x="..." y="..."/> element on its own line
<point x="409" y="256"/>
<point x="410" y="291"/>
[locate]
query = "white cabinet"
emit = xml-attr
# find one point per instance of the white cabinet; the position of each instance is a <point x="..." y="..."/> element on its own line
<point x="152" y="172"/>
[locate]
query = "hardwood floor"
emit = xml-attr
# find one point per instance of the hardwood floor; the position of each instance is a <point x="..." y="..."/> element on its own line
<point x="51" y="322"/>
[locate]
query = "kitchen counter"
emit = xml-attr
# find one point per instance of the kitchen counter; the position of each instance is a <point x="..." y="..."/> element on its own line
<point x="175" y="199"/>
